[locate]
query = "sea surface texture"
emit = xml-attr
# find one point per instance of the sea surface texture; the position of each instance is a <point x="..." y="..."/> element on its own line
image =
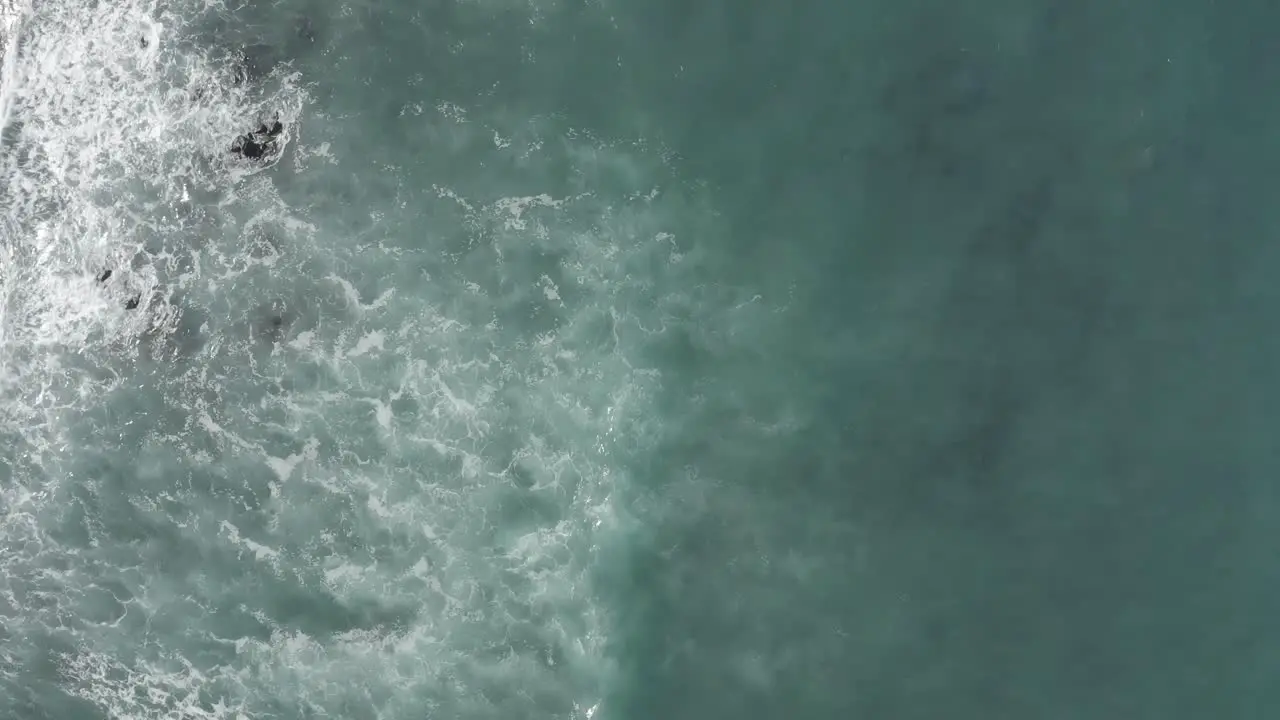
<point x="639" y="360"/>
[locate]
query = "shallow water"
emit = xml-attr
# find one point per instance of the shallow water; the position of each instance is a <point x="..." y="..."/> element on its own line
<point x="631" y="360"/>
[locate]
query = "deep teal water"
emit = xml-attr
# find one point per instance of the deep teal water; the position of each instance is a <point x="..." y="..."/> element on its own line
<point x="638" y="360"/>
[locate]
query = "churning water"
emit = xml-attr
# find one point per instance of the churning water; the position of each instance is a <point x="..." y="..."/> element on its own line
<point x="365" y="435"/>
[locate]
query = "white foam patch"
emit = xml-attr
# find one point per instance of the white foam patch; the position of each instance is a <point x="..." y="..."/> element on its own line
<point x="97" y="101"/>
<point x="382" y="413"/>
<point x="260" y="552"/>
<point x="370" y="342"/>
<point x="284" y="467"/>
<point x="12" y="15"/>
<point x="515" y="208"/>
<point x="171" y="689"/>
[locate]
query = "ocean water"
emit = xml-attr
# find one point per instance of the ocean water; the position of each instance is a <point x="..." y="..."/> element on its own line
<point x="618" y="360"/>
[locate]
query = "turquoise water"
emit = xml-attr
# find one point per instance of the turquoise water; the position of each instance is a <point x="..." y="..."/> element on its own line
<point x="620" y="360"/>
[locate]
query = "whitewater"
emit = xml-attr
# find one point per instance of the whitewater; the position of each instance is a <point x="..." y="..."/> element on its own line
<point x="346" y="430"/>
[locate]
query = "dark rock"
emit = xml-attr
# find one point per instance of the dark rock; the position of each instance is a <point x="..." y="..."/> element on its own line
<point x="247" y="146"/>
<point x="104" y="276"/>
<point x="260" y="142"/>
<point x="132" y="303"/>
